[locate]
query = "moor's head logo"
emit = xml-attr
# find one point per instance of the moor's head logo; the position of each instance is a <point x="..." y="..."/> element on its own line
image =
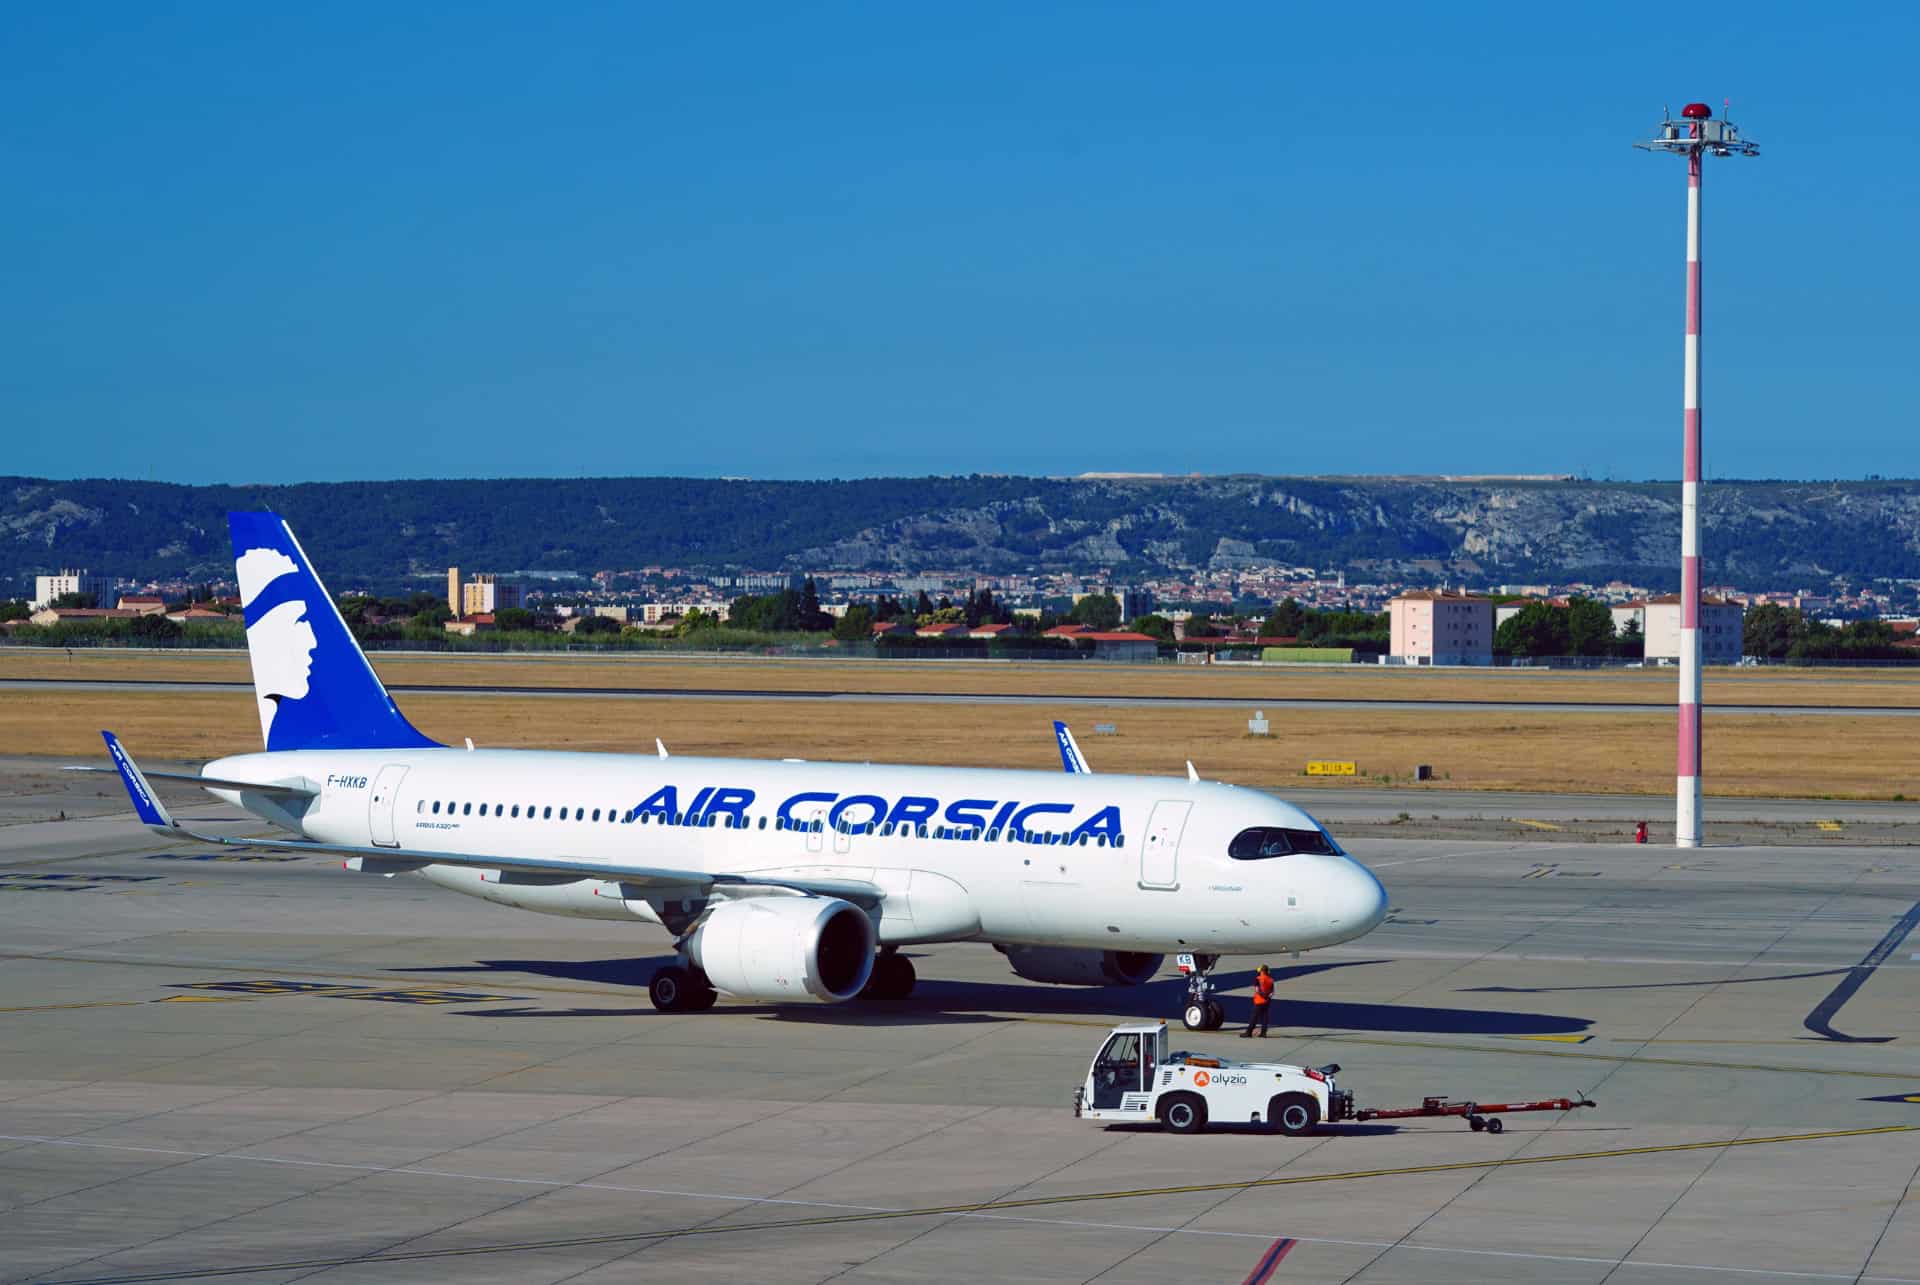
<point x="280" y="640"/>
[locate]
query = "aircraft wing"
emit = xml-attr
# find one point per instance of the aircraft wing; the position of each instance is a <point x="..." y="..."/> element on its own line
<point x="153" y="814"/>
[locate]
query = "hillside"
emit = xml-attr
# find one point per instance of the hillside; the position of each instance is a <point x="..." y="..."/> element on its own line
<point x="1757" y="533"/>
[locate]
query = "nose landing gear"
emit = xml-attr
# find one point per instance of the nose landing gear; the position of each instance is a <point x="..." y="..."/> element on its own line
<point x="1203" y="1012"/>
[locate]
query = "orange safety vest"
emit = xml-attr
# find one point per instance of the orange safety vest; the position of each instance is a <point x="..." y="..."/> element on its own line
<point x="1262" y="989"/>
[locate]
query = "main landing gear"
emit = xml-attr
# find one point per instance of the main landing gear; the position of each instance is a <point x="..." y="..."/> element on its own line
<point x="892" y="977"/>
<point x="681" y="989"/>
<point x="1203" y="1012"/>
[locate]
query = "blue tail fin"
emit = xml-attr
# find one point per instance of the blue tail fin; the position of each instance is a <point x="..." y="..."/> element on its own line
<point x="312" y="683"/>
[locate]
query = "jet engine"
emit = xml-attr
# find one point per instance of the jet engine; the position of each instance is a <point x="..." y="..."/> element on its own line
<point x="1081" y="967"/>
<point x="786" y="948"/>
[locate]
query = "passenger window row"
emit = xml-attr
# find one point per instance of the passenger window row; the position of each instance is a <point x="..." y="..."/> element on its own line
<point x="532" y="811"/>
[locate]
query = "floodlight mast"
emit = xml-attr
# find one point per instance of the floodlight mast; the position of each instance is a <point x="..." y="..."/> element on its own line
<point x="1694" y="135"/>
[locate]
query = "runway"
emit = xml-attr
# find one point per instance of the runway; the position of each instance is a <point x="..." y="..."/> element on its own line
<point x="983" y="698"/>
<point x="275" y="1070"/>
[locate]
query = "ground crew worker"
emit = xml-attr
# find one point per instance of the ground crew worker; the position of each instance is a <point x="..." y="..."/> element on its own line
<point x="1262" y="1003"/>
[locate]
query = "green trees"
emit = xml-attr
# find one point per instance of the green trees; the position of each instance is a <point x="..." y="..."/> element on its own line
<point x="1537" y="629"/>
<point x="1287" y="620"/>
<point x="14" y="609"/>
<point x="1589" y="628"/>
<point x="1771" y="631"/>
<point x="981" y="609"/>
<point x="856" y="625"/>
<point x="148" y="630"/>
<point x="1154" y="627"/>
<point x="513" y="618"/>
<point x="788" y="611"/>
<point x="75" y="601"/>
<point x="1097" y="611"/>
<point x="1787" y="633"/>
<point x="1360" y="630"/>
<point x="592" y="625"/>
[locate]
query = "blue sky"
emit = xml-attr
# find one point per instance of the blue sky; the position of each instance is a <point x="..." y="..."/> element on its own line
<point x="271" y="243"/>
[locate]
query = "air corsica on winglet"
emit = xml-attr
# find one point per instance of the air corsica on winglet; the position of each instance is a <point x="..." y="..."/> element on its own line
<point x="777" y="881"/>
<point x="1070" y="756"/>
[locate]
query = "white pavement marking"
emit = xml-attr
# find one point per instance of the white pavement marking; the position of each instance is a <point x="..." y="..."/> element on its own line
<point x="556" y="1185"/>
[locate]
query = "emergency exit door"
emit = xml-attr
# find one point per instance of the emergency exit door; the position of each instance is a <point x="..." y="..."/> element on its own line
<point x="386" y="787"/>
<point x="1160" y="848"/>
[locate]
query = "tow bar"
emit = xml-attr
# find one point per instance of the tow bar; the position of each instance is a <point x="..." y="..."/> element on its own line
<point x="1480" y="1115"/>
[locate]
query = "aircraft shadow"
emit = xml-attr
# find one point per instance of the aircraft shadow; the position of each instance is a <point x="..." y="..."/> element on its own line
<point x="934" y="1000"/>
<point x="1341" y="1129"/>
<point x="939" y="1001"/>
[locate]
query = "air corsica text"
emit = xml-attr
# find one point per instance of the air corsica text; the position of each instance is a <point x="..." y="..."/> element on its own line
<point x="852" y="811"/>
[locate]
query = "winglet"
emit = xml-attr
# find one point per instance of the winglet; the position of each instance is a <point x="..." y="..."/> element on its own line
<point x="1191" y="774"/>
<point x="153" y="813"/>
<point x="660" y="745"/>
<point x="1070" y="757"/>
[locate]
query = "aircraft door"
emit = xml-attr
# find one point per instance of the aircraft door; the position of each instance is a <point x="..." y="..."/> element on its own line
<point x="386" y="787"/>
<point x="815" y="820"/>
<point x="1160" y="846"/>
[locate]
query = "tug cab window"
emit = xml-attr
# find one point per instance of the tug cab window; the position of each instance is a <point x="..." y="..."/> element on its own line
<point x="1275" y="841"/>
<point x="1120" y="1069"/>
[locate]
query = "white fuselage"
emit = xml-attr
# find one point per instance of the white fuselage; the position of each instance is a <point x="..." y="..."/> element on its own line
<point x="1103" y="862"/>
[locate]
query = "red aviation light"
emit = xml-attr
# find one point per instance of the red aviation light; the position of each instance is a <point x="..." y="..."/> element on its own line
<point x="1697" y="111"/>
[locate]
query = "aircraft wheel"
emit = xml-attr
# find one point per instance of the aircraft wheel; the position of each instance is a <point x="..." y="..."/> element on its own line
<point x="673" y="990"/>
<point x="1216" y="1015"/>
<point x="892" y="978"/>
<point x="1196" y="1017"/>
<point x="1183" y="1113"/>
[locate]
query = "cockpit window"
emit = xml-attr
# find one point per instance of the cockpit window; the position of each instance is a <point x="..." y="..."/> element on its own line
<point x="1276" y="841"/>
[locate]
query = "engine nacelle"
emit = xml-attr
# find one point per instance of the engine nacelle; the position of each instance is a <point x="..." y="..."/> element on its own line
<point x="786" y="948"/>
<point x="1069" y="967"/>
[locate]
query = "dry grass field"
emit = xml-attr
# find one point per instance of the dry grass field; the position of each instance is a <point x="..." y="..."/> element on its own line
<point x="1754" y="755"/>
<point x="1876" y="687"/>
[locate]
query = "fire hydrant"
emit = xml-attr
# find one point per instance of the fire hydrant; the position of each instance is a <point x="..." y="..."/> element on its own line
<point x="1640" y="832"/>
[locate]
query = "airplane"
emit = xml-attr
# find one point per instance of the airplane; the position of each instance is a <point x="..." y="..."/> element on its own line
<point x="778" y="881"/>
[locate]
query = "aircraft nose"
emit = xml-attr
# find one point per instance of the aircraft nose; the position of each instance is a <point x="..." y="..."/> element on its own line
<point x="1359" y="902"/>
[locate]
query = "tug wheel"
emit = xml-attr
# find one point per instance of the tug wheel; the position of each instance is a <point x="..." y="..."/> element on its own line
<point x="1293" y="1114"/>
<point x="1494" y="1125"/>
<point x="1183" y="1113"/>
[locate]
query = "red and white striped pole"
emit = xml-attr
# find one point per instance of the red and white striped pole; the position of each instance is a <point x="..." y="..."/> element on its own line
<point x="1693" y="135"/>
<point x="1686" y="826"/>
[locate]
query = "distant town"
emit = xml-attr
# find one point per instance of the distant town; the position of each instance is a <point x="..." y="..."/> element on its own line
<point x="1272" y="612"/>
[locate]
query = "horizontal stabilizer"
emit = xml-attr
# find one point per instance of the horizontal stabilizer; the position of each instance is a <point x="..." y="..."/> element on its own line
<point x="219" y="783"/>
